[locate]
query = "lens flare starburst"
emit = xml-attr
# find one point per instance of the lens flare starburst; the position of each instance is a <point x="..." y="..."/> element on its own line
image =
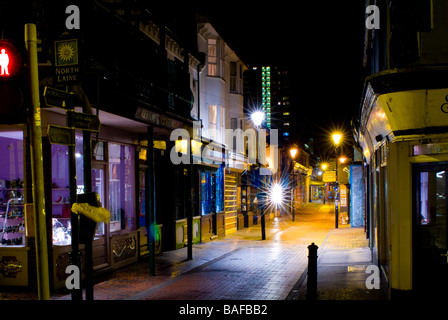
<point x="275" y="194"/>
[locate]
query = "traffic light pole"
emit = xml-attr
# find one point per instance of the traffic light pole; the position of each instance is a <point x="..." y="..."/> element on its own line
<point x="43" y="280"/>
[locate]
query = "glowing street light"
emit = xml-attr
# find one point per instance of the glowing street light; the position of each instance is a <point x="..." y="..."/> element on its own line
<point x="324" y="166"/>
<point x="342" y="159"/>
<point x="337" y="138"/>
<point x="276" y="196"/>
<point x="257" y="118"/>
<point x="293" y="152"/>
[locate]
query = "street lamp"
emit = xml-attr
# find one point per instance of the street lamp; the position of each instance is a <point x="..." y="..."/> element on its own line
<point x="257" y="118"/>
<point x="293" y="152"/>
<point x="324" y="167"/>
<point x="337" y="137"/>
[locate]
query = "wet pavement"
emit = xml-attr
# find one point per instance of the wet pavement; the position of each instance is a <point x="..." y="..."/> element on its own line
<point x="241" y="266"/>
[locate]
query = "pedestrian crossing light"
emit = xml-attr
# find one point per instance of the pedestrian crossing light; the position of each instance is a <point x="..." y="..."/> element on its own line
<point x="12" y="84"/>
<point x="4" y="62"/>
<point x="10" y="61"/>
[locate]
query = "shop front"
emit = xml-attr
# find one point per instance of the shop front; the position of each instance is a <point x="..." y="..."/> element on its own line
<point x="404" y="140"/>
<point x="212" y="184"/>
<point x="113" y="174"/>
<point x="15" y="213"/>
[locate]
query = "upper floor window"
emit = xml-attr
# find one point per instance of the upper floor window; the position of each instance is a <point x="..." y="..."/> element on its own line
<point x="236" y="77"/>
<point x="214" y="58"/>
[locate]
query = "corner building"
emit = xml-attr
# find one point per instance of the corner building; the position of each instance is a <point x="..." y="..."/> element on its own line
<point x="403" y="133"/>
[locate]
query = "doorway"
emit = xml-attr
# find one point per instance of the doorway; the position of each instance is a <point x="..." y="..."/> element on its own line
<point x="100" y="252"/>
<point x="430" y="256"/>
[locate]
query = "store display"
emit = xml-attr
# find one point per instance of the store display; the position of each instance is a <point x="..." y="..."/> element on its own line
<point x="61" y="232"/>
<point x="12" y="221"/>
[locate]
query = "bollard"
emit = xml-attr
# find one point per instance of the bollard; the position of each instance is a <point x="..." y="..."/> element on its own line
<point x="311" y="286"/>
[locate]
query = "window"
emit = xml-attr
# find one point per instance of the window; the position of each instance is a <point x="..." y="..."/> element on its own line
<point x="11" y="189"/>
<point x="215" y="56"/>
<point x="212" y="122"/>
<point x="236" y="77"/>
<point x="212" y="192"/>
<point x="234" y="126"/>
<point x="233" y="77"/>
<point x="121" y="186"/>
<point x="223" y="123"/>
<point x="212" y="58"/>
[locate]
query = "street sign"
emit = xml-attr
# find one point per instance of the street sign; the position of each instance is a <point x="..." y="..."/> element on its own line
<point x="84" y="121"/>
<point x="61" y="135"/>
<point x="66" y="64"/>
<point x="58" y="98"/>
<point x="329" y="176"/>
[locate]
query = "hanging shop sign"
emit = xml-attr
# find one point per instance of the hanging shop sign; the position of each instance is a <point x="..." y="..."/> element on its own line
<point x="329" y="176"/>
<point x="156" y="118"/>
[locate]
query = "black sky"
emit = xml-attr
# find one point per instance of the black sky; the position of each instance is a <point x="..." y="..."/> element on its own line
<point x="321" y="41"/>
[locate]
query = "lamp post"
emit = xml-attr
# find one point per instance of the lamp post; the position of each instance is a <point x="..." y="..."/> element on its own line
<point x="293" y="152"/>
<point x="257" y="118"/>
<point x="324" y="167"/>
<point x="337" y="140"/>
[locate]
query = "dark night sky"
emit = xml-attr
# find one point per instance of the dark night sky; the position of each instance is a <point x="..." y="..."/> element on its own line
<point x="322" y="42"/>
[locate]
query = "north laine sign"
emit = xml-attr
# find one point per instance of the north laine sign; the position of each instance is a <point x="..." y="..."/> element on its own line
<point x="66" y="64"/>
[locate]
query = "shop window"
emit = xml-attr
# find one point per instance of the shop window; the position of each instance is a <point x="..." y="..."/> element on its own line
<point x="60" y="184"/>
<point x="212" y="191"/>
<point x="12" y="222"/>
<point x="99" y="150"/>
<point x="121" y="186"/>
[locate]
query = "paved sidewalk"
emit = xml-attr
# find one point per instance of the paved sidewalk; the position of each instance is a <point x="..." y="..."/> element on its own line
<point x="243" y="267"/>
<point x="342" y="262"/>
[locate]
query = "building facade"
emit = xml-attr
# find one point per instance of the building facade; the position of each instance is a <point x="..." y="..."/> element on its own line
<point x="140" y="91"/>
<point x="221" y="108"/>
<point x="402" y="132"/>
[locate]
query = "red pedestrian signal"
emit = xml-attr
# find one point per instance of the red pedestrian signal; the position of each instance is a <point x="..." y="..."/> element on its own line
<point x="12" y="83"/>
<point x="4" y="63"/>
<point x="10" y="61"/>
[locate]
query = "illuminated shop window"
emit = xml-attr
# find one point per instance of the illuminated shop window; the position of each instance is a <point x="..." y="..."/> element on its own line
<point x="212" y="191"/>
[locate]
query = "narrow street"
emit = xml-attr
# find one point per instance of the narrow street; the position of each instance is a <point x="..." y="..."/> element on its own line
<point x="238" y="267"/>
<point x="243" y="267"/>
<point x="255" y="269"/>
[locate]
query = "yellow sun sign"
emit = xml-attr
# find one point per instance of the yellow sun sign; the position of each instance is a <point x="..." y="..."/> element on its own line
<point x="66" y="52"/>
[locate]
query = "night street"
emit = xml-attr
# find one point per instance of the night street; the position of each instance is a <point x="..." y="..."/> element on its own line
<point x="242" y="267"/>
<point x="210" y="151"/>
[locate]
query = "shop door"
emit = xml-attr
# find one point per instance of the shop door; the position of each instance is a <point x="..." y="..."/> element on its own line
<point x="430" y="256"/>
<point x="100" y="256"/>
